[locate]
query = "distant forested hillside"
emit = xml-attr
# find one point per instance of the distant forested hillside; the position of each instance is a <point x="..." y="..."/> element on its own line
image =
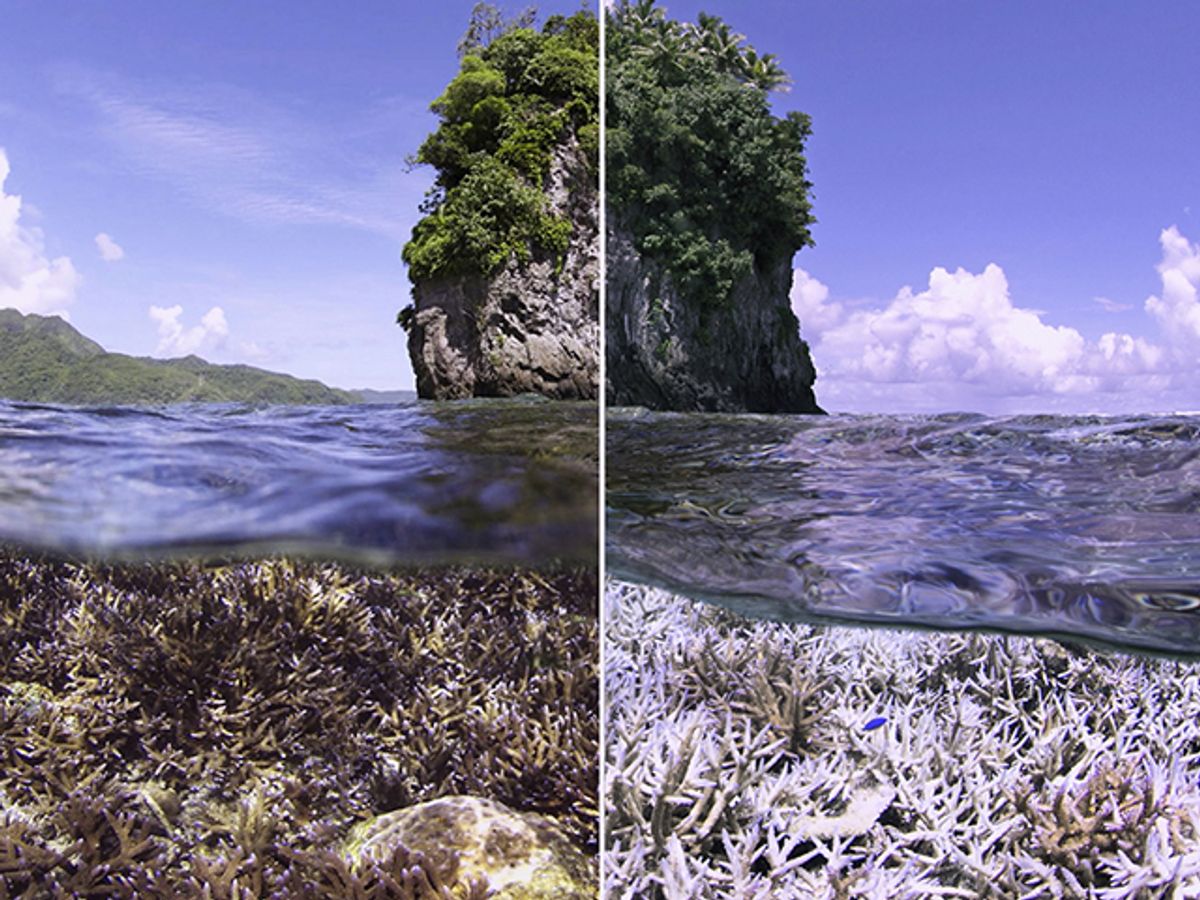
<point x="45" y="360"/>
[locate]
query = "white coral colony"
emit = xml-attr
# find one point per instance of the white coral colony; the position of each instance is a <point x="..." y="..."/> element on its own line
<point x="741" y="762"/>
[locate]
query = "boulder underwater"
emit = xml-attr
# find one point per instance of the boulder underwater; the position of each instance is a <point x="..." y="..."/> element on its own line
<point x="480" y="844"/>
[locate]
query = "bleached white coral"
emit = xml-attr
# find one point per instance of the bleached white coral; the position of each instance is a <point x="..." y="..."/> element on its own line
<point x="740" y="762"/>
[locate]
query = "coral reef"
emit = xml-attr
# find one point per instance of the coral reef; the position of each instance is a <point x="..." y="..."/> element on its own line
<point x="757" y="759"/>
<point x="179" y="729"/>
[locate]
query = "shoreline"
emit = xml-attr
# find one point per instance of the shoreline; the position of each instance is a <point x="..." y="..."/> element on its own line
<point x="759" y="759"/>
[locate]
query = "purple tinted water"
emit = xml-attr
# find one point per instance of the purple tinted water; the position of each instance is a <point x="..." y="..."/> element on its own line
<point x="510" y="481"/>
<point x="1086" y="527"/>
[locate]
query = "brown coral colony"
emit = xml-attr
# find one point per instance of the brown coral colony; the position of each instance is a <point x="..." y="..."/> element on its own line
<point x="175" y="729"/>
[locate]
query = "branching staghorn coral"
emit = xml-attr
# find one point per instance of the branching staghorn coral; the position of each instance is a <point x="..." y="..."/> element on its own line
<point x="1004" y="767"/>
<point x="177" y="729"/>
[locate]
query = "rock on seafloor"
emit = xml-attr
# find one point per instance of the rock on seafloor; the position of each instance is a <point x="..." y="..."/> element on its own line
<point x="665" y="353"/>
<point x="532" y="327"/>
<point x="522" y="856"/>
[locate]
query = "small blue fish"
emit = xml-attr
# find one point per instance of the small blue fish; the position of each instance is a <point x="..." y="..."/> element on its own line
<point x="875" y="723"/>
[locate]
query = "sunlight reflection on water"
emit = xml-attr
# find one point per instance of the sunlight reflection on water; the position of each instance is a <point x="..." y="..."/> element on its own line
<point x="1078" y="526"/>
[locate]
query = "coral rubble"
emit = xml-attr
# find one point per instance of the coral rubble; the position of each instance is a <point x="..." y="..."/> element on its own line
<point x="747" y="759"/>
<point x="173" y="729"/>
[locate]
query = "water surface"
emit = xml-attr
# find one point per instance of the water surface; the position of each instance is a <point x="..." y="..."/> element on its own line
<point x="485" y="480"/>
<point x="1083" y="527"/>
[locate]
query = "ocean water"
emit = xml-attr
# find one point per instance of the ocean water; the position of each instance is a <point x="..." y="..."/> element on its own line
<point x="493" y="481"/>
<point x="1083" y="528"/>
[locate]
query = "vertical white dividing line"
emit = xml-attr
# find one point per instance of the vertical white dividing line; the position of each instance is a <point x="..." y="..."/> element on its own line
<point x="602" y="12"/>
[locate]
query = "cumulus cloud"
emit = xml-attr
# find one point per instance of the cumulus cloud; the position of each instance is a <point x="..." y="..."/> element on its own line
<point x="962" y="342"/>
<point x="962" y="328"/>
<point x="1177" y="310"/>
<point x="29" y="281"/>
<point x="110" y="250"/>
<point x="810" y="303"/>
<point x="176" y="340"/>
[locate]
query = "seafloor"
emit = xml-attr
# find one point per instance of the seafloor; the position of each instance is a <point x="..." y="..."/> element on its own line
<point x="186" y="730"/>
<point x="756" y="759"/>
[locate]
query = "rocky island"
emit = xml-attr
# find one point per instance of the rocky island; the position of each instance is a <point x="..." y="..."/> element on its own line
<point x="505" y="264"/>
<point x="708" y="201"/>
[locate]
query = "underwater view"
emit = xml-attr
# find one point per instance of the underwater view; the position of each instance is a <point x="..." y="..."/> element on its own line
<point x="510" y="481"/>
<point x="756" y="759"/>
<point x="270" y="625"/>
<point x="1013" y="740"/>
<point x="298" y="651"/>
<point x="1084" y="527"/>
<point x="901" y="534"/>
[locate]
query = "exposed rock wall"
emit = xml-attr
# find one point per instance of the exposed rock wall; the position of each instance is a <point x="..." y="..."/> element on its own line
<point x="664" y="353"/>
<point x="532" y="327"/>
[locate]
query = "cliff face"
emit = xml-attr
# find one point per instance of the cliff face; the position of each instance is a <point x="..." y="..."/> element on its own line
<point x="663" y="353"/>
<point x="531" y="327"/>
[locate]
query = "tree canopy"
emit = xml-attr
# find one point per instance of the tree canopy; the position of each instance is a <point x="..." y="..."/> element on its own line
<point x="518" y="94"/>
<point x="708" y="180"/>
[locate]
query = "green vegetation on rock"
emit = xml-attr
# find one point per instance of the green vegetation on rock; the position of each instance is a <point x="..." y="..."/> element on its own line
<point x="710" y="184"/>
<point x="45" y="360"/>
<point x="519" y="94"/>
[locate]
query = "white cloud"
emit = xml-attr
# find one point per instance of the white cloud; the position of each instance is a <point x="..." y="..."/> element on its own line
<point x="1126" y="351"/>
<point x="1178" y="309"/>
<point x="176" y="340"/>
<point x="962" y="343"/>
<point x="253" y="351"/>
<point x="810" y="303"/>
<point x="962" y="328"/>
<point x="110" y="250"/>
<point x="1111" y="306"/>
<point x="29" y="281"/>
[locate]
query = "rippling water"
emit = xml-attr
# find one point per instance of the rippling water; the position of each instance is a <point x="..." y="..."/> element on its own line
<point x="487" y="480"/>
<point x="1085" y="527"/>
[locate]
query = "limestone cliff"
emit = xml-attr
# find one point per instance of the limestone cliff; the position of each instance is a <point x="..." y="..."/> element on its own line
<point x="530" y="327"/>
<point x="664" y="353"/>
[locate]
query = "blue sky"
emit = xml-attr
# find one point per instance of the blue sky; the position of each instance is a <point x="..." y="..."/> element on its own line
<point x="225" y="179"/>
<point x="246" y="167"/>
<point x="1055" y="142"/>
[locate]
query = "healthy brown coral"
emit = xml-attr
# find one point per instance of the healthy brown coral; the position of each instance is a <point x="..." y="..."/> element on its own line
<point x="168" y="729"/>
